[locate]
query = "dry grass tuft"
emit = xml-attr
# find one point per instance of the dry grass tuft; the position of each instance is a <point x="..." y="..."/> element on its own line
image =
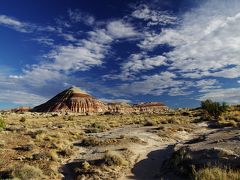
<point x="113" y="158"/>
<point x="27" y="172"/>
<point x="216" y="173"/>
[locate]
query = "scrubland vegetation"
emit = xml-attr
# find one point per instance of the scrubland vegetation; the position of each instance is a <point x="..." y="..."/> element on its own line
<point x="217" y="173"/>
<point x="38" y="145"/>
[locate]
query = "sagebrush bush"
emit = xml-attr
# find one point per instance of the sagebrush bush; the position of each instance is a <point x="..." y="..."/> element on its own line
<point x="114" y="158"/>
<point x="27" y="172"/>
<point x="2" y="124"/>
<point x="214" y="109"/>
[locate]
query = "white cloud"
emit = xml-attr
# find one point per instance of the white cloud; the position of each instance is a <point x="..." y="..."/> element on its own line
<point x="41" y="75"/>
<point x="233" y="72"/>
<point x="20" y="97"/>
<point x="115" y="100"/>
<point x="120" y="29"/>
<point x="75" y="58"/>
<point x="230" y="95"/>
<point x="178" y="92"/>
<point x="155" y="84"/>
<point x="206" y="42"/>
<point x="13" y="23"/>
<point x="44" y="40"/>
<point x="153" y="17"/>
<point x="138" y="63"/>
<point x="78" y="16"/>
<point x="207" y="84"/>
<point x="68" y="37"/>
<point x="15" y="77"/>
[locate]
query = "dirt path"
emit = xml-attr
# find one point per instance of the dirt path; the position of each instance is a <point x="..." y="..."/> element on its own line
<point x="150" y="157"/>
<point x="147" y="157"/>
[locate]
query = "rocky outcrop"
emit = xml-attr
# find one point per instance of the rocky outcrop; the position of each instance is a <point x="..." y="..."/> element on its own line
<point x="72" y="100"/>
<point x="21" y="109"/>
<point x="151" y="107"/>
<point x="217" y="148"/>
<point x="119" y="107"/>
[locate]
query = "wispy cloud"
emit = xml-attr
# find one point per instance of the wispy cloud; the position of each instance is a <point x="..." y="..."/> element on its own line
<point x="206" y="41"/>
<point x="229" y="95"/>
<point x="138" y="63"/>
<point x="120" y="29"/>
<point x="78" y="16"/>
<point x="153" y="17"/>
<point x="14" y="23"/>
<point x="20" y="97"/>
<point x="115" y="100"/>
<point x="155" y="84"/>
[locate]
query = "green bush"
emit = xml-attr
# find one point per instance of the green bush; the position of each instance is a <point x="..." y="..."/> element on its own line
<point x="214" y="109"/>
<point x="2" y="124"/>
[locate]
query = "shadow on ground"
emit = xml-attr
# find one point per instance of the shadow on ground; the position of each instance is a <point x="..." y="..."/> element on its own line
<point x="150" y="168"/>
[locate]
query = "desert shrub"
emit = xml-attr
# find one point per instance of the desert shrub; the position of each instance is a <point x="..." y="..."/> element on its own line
<point x="23" y="119"/>
<point x="27" y="172"/>
<point x="179" y="162"/>
<point x="2" y="124"/>
<point x="150" y="122"/>
<point x="98" y="126"/>
<point x="2" y="143"/>
<point x="226" y="123"/>
<point x="90" y="141"/>
<point x="65" y="152"/>
<point x="114" y="158"/>
<point x="186" y="113"/>
<point x="216" y="173"/>
<point x="70" y="118"/>
<point x="214" y="109"/>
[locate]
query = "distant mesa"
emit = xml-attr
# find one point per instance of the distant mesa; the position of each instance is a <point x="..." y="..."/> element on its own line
<point x="21" y="109"/>
<point x="78" y="101"/>
<point x="150" y="107"/>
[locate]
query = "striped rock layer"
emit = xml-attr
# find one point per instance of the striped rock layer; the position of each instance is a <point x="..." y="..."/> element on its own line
<point x="72" y="100"/>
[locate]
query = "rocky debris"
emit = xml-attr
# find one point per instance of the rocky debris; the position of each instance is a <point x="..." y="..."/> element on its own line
<point x="219" y="148"/>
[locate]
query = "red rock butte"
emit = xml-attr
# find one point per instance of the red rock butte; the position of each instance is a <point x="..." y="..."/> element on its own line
<point x="78" y="101"/>
<point x="72" y="100"/>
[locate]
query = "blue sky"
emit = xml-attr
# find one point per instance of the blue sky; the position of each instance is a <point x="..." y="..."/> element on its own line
<point x="176" y="52"/>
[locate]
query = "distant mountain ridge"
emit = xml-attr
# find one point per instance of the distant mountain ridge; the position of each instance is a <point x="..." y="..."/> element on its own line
<point x="76" y="100"/>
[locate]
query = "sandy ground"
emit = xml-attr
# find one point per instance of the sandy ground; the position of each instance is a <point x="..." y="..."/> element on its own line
<point x="147" y="157"/>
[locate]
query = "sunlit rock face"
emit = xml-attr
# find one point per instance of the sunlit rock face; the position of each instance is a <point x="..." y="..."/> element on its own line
<point x="72" y="100"/>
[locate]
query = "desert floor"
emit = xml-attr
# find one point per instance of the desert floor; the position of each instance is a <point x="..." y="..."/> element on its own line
<point x="173" y="145"/>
